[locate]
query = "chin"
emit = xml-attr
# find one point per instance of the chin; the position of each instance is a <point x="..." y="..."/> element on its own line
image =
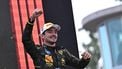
<point x="53" y="41"/>
<point x="53" y="46"/>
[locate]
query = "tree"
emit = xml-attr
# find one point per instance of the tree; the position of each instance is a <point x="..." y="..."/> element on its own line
<point x="93" y="48"/>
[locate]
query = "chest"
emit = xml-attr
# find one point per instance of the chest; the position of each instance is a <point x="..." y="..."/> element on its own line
<point x="53" y="58"/>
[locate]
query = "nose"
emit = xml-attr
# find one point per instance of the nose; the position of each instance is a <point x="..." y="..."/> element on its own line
<point x="54" y="33"/>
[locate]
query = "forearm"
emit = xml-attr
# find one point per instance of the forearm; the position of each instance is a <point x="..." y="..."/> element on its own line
<point x="74" y="61"/>
<point x="83" y="63"/>
<point x="27" y="36"/>
<point x="70" y="59"/>
<point x="27" y="33"/>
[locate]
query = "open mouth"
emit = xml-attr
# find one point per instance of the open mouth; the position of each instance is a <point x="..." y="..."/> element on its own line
<point x="53" y="37"/>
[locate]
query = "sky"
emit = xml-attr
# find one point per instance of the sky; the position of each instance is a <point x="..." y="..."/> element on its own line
<point x="81" y="9"/>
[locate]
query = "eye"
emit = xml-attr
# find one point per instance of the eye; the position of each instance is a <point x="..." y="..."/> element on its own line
<point x="49" y="31"/>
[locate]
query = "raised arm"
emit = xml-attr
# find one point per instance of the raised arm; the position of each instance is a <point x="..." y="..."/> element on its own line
<point x="27" y="34"/>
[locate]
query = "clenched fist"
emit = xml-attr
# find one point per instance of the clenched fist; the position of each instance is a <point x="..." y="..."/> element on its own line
<point x="86" y="55"/>
<point x="36" y="13"/>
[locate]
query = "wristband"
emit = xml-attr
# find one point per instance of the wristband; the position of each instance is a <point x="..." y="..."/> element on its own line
<point x="30" y="23"/>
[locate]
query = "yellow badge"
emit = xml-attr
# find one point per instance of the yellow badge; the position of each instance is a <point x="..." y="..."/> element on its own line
<point x="48" y="59"/>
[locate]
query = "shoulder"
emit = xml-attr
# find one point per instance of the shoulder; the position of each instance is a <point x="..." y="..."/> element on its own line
<point x="38" y="47"/>
<point x="61" y="49"/>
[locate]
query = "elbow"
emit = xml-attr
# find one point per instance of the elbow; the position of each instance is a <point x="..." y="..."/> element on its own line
<point x="26" y="39"/>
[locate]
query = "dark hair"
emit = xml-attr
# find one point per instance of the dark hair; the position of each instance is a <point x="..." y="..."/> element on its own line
<point x="43" y="33"/>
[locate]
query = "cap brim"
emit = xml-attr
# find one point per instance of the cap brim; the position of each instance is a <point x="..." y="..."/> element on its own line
<point x="56" y="26"/>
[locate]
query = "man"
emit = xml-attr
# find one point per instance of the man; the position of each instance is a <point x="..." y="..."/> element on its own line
<point x="50" y="56"/>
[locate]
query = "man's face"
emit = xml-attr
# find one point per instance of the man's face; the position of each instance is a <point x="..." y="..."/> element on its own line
<point x="50" y="35"/>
